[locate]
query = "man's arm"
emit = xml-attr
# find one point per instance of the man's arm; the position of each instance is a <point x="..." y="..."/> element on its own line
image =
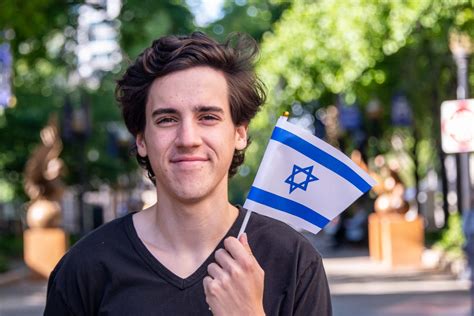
<point x="74" y="287"/>
<point x="55" y="302"/>
<point x="56" y="305"/>
<point x="312" y="292"/>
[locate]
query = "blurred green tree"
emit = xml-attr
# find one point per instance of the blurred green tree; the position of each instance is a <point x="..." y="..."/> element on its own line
<point x="365" y="49"/>
<point x="42" y="35"/>
<point x="253" y="17"/>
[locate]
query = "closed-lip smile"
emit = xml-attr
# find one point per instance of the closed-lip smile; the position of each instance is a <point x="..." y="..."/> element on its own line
<point x="179" y="159"/>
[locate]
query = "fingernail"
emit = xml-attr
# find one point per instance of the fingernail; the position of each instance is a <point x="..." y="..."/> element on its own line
<point x="244" y="238"/>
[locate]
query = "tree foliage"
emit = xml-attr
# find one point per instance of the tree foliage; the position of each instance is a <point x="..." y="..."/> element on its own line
<point x="145" y="20"/>
<point x="365" y="49"/>
<point x="253" y="17"/>
<point x="42" y="36"/>
<point x="319" y="47"/>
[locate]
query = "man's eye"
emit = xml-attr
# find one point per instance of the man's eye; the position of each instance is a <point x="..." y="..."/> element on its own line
<point x="165" y="120"/>
<point x="209" y="117"/>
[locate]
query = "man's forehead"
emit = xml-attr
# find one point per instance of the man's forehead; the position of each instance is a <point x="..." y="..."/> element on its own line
<point x="196" y="89"/>
<point x="196" y="74"/>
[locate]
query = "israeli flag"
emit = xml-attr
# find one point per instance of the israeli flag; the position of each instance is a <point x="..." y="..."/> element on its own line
<point x="304" y="181"/>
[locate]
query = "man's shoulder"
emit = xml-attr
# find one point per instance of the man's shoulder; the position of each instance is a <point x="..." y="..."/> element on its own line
<point x="96" y="245"/>
<point x="104" y="236"/>
<point x="80" y="277"/>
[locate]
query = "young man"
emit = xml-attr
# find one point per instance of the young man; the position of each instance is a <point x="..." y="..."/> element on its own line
<point x="188" y="101"/>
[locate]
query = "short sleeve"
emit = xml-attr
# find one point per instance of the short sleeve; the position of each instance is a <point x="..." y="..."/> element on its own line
<point x="55" y="302"/>
<point x="312" y="292"/>
<point x="74" y="287"/>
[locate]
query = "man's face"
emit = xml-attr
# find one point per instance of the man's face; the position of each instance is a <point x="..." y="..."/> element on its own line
<point x="189" y="136"/>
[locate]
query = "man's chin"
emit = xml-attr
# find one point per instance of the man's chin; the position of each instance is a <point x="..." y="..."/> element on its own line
<point x="191" y="193"/>
<point x="190" y="198"/>
<point x="193" y="188"/>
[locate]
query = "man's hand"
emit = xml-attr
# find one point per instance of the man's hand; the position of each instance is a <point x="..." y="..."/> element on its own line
<point x="234" y="285"/>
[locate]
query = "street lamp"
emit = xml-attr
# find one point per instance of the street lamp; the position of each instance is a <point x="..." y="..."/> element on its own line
<point x="461" y="47"/>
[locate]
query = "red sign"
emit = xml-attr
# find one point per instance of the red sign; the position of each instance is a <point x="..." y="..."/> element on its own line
<point x="457" y="126"/>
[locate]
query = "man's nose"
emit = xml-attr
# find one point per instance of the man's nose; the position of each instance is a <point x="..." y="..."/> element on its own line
<point x="188" y="135"/>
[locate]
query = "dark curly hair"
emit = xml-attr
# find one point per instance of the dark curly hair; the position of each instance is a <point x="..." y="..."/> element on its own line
<point x="168" y="54"/>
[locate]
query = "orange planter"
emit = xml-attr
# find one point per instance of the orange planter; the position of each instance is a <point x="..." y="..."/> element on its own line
<point x="396" y="241"/>
<point x="43" y="248"/>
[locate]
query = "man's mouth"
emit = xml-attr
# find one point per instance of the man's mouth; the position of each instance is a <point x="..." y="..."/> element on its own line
<point x="188" y="160"/>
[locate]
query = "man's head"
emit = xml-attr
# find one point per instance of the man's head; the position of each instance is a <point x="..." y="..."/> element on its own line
<point x="172" y="54"/>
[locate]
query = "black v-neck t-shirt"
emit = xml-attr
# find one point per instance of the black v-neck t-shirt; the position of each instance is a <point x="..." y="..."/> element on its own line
<point x="111" y="272"/>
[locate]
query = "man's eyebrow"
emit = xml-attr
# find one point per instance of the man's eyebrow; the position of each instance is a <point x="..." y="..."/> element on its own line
<point x="163" y="111"/>
<point x="196" y="109"/>
<point x="207" y="108"/>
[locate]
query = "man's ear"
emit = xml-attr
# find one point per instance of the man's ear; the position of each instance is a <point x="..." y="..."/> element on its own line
<point x="241" y="136"/>
<point x="141" y="145"/>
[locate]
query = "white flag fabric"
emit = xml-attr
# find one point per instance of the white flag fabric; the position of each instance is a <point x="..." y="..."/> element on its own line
<point x="304" y="181"/>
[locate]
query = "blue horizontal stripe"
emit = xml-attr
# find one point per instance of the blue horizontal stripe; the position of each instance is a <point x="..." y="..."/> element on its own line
<point x="321" y="157"/>
<point x="287" y="206"/>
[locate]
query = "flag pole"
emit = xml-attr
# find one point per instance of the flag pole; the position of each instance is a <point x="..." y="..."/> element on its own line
<point x="244" y="223"/>
<point x="285" y="115"/>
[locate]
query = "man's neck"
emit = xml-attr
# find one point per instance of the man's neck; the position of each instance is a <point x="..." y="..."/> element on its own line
<point x="181" y="236"/>
<point x="178" y="226"/>
<point x="194" y="226"/>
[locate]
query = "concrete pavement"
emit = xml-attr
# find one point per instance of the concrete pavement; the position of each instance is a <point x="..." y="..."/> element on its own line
<point x="23" y="298"/>
<point x="360" y="286"/>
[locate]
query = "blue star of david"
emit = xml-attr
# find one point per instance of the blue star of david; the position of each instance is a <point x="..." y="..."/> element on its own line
<point x="304" y="184"/>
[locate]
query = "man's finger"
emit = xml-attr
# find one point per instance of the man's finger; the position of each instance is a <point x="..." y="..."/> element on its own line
<point x="215" y="271"/>
<point x="244" y="241"/>
<point x="237" y="250"/>
<point x="206" y="282"/>
<point x="224" y="259"/>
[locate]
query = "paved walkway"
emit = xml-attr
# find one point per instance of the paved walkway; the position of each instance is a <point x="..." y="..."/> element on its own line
<point x="358" y="284"/>
<point x="358" y="287"/>
<point x="23" y="298"/>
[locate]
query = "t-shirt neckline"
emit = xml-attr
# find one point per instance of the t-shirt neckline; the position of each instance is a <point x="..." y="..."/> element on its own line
<point x="161" y="269"/>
